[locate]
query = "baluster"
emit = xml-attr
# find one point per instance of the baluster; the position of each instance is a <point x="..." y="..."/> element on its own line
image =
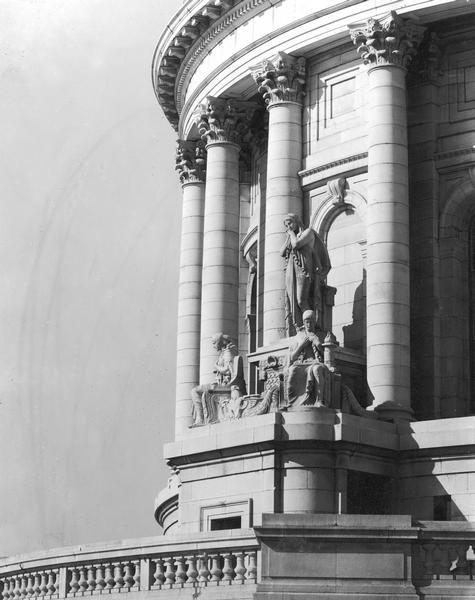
<point x="109" y="578"/>
<point x="203" y="569"/>
<point x="228" y="569"/>
<point x="7" y="582"/>
<point x="29" y="586"/>
<point x="100" y="581"/>
<point x="180" y="573"/>
<point x="128" y="577"/>
<point x="216" y="573"/>
<point x="51" y="584"/>
<point x="16" y="589"/>
<point x="11" y="588"/>
<point x="159" y="575"/>
<point x="23" y="585"/>
<point x="5" y="586"/>
<point x="462" y="553"/>
<point x="91" y="578"/>
<point x="136" y="564"/>
<point x="438" y="561"/>
<point x="44" y="584"/>
<point x="251" y="566"/>
<point x="192" y="572"/>
<point x="82" y="579"/>
<point x="118" y="576"/>
<point x="428" y="560"/>
<point x="240" y="568"/>
<point x="170" y="571"/>
<point x="37" y="586"/>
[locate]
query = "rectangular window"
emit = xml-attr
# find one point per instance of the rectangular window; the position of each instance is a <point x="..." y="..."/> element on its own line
<point x="225" y="523"/>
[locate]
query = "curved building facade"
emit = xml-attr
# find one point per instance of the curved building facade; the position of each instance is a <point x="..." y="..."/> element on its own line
<point x="325" y="400"/>
<point x="356" y="120"/>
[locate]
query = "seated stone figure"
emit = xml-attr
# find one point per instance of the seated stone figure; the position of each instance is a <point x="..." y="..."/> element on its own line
<point x="208" y="398"/>
<point x="308" y="377"/>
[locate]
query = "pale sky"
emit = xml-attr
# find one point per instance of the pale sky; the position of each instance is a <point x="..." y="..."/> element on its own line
<point x="89" y="248"/>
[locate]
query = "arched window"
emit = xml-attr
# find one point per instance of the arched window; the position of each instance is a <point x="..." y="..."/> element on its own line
<point x="346" y="247"/>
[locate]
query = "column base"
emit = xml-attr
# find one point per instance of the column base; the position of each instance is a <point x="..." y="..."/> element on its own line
<point x="392" y="411"/>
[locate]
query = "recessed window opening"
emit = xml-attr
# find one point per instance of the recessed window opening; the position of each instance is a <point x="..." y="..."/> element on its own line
<point x="225" y="523"/>
<point x="442" y="507"/>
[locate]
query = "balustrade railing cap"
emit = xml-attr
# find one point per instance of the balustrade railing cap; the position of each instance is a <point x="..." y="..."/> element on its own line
<point x="117" y="551"/>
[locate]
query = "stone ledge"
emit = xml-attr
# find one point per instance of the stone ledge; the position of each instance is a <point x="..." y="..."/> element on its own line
<point x="137" y="547"/>
<point x="437" y="433"/>
<point x="324" y="426"/>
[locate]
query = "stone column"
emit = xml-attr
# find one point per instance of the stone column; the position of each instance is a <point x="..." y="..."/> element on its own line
<point x="221" y="123"/>
<point x="191" y="165"/>
<point x="387" y="46"/>
<point x="281" y="81"/>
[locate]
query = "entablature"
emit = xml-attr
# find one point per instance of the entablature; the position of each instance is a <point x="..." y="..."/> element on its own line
<point x="185" y="69"/>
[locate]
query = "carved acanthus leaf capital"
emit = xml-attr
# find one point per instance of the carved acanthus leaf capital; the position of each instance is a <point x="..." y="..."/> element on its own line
<point x="281" y="78"/>
<point x="427" y="65"/>
<point x="390" y="40"/>
<point x="191" y="161"/>
<point x="224" y="119"/>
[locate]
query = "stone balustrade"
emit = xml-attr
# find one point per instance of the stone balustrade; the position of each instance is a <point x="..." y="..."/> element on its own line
<point x="87" y="571"/>
<point x="444" y="561"/>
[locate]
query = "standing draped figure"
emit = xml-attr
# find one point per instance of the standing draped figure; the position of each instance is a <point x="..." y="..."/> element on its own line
<point x="307" y="266"/>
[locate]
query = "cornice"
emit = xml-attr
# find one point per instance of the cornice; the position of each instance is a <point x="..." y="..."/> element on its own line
<point x="232" y="19"/>
<point x="200" y="25"/>
<point x="331" y="165"/>
<point x="452" y="160"/>
<point x="201" y="28"/>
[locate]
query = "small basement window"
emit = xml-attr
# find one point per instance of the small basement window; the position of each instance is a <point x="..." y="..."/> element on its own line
<point x="225" y="523"/>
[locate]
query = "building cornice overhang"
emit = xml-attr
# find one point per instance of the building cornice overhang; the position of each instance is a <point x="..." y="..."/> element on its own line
<point x="197" y="27"/>
<point x="200" y="25"/>
<point x="194" y="31"/>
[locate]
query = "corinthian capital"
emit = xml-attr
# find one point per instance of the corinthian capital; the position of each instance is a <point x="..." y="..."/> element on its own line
<point x="281" y="78"/>
<point x="390" y="40"/>
<point x="190" y="161"/>
<point x="224" y="119"/>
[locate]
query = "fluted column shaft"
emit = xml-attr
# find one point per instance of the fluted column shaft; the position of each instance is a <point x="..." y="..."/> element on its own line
<point x="190" y="163"/>
<point x="220" y="282"/>
<point x="388" y="293"/>
<point x="281" y="81"/>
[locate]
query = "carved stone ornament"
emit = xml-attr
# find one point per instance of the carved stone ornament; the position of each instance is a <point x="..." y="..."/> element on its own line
<point x="427" y="65"/>
<point x="224" y="119"/>
<point x="281" y="78"/>
<point x="390" y="40"/>
<point x="191" y="161"/>
<point x="337" y="189"/>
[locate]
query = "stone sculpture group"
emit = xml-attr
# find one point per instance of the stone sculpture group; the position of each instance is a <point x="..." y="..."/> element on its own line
<point x="306" y="377"/>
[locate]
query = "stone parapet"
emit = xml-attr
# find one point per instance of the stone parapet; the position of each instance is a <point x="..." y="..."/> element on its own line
<point x="209" y="564"/>
<point x="363" y="556"/>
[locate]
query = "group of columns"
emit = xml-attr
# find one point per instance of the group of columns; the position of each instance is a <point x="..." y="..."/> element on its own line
<point x="209" y="172"/>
